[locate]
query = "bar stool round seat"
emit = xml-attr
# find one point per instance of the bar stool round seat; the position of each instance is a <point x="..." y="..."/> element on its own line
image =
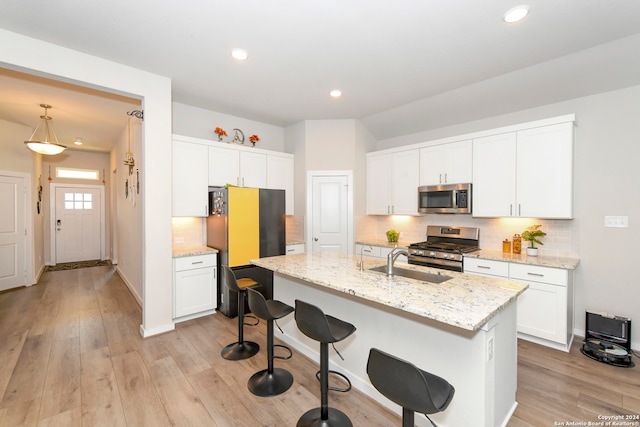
<point x="240" y="349"/>
<point x="326" y="329"/>
<point x="408" y="386"/>
<point x="271" y="381"/>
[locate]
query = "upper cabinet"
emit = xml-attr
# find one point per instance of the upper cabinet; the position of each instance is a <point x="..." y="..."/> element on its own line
<point x="280" y="177"/>
<point x="526" y="173"/>
<point x="392" y="183"/>
<point x="189" y="183"/>
<point x="446" y="163"/>
<point x="237" y="167"/>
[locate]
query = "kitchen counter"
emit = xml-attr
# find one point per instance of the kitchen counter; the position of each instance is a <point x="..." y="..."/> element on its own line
<point x="463" y="330"/>
<point x="182" y="251"/>
<point x="465" y="301"/>
<point x="545" y="261"/>
<point x="384" y="243"/>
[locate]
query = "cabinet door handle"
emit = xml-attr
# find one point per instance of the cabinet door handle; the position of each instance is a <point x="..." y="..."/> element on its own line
<point x="535" y="274"/>
<point x="485" y="267"/>
<point x="510" y="209"/>
<point x="197" y="262"/>
<point x="519" y="210"/>
<point x="290" y="250"/>
<point x="445" y="178"/>
<point x="440" y="178"/>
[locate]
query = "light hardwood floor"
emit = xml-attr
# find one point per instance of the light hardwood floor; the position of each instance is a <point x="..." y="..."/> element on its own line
<point x="71" y="355"/>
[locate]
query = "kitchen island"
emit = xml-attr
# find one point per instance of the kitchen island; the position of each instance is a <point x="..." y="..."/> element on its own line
<point x="463" y="329"/>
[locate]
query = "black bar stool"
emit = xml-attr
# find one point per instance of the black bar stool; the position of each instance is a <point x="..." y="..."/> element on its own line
<point x="326" y="329"/>
<point x="408" y="386"/>
<point x="271" y="381"/>
<point x="241" y="349"/>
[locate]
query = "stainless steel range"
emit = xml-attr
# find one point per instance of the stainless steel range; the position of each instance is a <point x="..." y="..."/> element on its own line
<point x="444" y="247"/>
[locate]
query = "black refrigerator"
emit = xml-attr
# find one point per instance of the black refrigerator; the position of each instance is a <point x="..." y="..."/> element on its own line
<point x="244" y="224"/>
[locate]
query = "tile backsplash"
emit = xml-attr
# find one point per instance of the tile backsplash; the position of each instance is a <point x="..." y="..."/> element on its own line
<point x="562" y="237"/>
<point x="188" y="231"/>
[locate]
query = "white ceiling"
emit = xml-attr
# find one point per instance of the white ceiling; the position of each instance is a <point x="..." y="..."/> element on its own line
<point x="403" y="66"/>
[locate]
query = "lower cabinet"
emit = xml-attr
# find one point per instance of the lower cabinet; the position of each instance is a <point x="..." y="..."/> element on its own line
<point x="295" y="248"/>
<point x="194" y="286"/>
<point x="377" y="252"/>
<point x="545" y="309"/>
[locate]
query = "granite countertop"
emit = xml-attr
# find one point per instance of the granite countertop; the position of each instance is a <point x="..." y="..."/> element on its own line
<point x="541" y="260"/>
<point x="182" y="251"/>
<point x="466" y="301"/>
<point x="384" y="243"/>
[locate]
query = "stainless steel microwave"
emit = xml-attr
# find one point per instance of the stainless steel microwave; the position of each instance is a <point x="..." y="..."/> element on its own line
<point x="445" y="199"/>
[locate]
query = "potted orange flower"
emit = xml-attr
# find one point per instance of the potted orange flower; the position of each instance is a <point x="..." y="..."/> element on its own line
<point x="220" y="132"/>
<point x="253" y="139"/>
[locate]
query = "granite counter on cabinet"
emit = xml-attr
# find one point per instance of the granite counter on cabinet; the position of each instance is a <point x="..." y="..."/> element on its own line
<point x="541" y="260"/>
<point x="463" y="329"/>
<point x="465" y="301"/>
<point x="182" y="251"/>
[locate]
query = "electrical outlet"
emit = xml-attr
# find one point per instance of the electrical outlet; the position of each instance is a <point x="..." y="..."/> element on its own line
<point x="490" y="349"/>
<point x="616" y="221"/>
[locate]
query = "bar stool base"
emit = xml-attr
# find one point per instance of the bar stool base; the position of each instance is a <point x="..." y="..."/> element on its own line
<point x="313" y="418"/>
<point x="240" y="350"/>
<point x="267" y="384"/>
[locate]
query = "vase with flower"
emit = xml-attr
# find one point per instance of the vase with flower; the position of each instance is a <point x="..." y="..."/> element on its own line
<point x="253" y="139"/>
<point x="220" y="132"/>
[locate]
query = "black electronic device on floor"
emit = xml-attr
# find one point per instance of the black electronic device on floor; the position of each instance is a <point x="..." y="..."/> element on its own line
<point x="608" y="339"/>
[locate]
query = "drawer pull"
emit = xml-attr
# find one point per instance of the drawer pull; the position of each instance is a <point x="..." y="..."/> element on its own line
<point x="485" y="267"/>
<point x="197" y="262"/>
<point x="536" y="274"/>
<point x="290" y="250"/>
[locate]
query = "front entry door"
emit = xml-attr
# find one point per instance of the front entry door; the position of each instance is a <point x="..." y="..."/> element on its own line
<point x="329" y="221"/>
<point x="77" y="225"/>
<point x="12" y="233"/>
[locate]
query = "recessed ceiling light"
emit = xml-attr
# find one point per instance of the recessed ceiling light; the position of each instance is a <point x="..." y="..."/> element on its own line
<point x="77" y="141"/>
<point x="336" y="93"/>
<point x="239" y="54"/>
<point x="516" y="14"/>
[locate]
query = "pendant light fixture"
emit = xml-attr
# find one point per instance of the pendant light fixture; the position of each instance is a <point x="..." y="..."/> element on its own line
<point x="45" y="145"/>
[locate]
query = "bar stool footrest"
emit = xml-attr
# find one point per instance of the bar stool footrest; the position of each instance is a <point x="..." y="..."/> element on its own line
<point x="251" y="316"/>
<point x="339" y="374"/>
<point x="283" y="357"/>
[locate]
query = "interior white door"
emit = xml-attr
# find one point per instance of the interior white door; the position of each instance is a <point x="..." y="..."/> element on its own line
<point x="330" y="226"/>
<point x="77" y="224"/>
<point x="12" y="233"/>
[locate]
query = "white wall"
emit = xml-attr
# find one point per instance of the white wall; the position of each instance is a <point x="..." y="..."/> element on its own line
<point x="606" y="183"/>
<point x="41" y="58"/>
<point x="200" y="123"/>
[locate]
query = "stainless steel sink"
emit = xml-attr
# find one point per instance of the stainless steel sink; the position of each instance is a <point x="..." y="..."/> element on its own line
<point x="414" y="274"/>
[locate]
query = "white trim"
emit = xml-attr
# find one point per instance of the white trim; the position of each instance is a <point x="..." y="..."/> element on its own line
<point x="309" y="207"/>
<point x="28" y="276"/>
<point x="52" y="215"/>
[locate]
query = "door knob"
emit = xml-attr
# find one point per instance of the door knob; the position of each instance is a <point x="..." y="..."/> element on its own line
<point x="315" y="239"/>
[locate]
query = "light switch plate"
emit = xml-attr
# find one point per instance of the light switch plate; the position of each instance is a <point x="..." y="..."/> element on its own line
<point x="616" y="221"/>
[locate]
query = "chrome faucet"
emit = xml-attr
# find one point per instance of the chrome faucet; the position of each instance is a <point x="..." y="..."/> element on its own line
<point x="362" y="250"/>
<point x="392" y="257"/>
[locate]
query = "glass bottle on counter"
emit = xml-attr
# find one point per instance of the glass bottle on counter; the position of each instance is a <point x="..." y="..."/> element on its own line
<point x="506" y="246"/>
<point x="517" y="244"/>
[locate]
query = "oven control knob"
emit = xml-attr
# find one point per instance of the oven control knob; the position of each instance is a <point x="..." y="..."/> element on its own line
<point x="432" y="254"/>
<point x="446" y="256"/>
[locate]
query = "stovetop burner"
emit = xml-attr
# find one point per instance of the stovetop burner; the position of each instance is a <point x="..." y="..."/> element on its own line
<point x="444" y="246"/>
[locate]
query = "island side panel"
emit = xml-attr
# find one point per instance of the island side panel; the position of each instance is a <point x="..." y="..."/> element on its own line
<point x="485" y="394"/>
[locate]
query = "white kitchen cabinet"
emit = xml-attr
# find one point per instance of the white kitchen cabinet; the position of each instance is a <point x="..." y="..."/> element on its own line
<point x="295" y="248"/>
<point x="194" y="286"/>
<point x="486" y="267"/>
<point x="528" y="173"/>
<point x="280" y="177"/>
<point x="375" y="251"/>
<point x="545" y="309"/>
<point x="392" y="183"/>
<point x="446" y="163"/>
<point x="237" y="167"/>
<point x="189" y="179"/>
